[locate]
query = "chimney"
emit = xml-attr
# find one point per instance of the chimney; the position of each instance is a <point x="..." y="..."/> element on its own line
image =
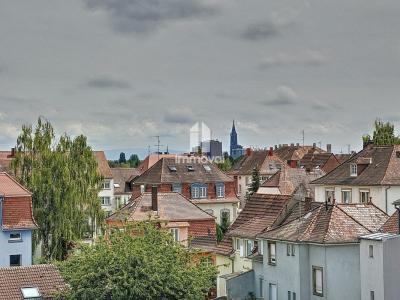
<point x="329" y="148"/>
<point x="12" y="152"/>
<point x="154" y="198"/>
<point x="314" y="145"/>
<point x="248" y="151"/>
<point x="297" y="144"/>
<point x="271" y="151"/>
<point x="292" y="145"/>
<point x="307" y="204"/>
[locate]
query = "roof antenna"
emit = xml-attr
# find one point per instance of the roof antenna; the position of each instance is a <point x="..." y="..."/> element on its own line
<point x="158" y="146"/>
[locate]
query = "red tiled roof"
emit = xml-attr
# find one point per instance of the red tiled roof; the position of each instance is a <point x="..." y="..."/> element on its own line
<point x="103" y="167"/>
<point x="9" y="187"/>
<point x="17" y="214"/>
<point x="224" y="247"/>
<point x="287" y="153"/>
<point x="258" y="159"/>
<point x="150" y="160"/>
<point x="392" y="225"/>
<point x="259" y="213"/>
<point x="341" y="223"/>
<point x="46" y="278"/>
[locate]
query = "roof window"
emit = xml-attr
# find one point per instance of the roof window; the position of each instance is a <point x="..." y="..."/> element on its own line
<point x="207" y="168"/>
<point x="353" y="170"/>
<point x="172" y="168"/>
<point x="30" y="293"/>
<point x="190" y="168"/>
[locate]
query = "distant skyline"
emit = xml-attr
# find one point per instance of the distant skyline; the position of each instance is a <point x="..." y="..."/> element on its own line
<point x="122" y="72"/>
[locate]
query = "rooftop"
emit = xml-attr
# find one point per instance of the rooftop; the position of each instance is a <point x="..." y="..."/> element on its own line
<point x="103" y="167"/>
<point x="122" y="177"/>
<point x="259" y="159"/>
<point x="296" y="152"/>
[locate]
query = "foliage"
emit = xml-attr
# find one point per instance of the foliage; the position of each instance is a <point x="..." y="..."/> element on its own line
<point x="222" y="228"/>
<point x="122" y="159"/>
<point x="255" y="182"/>
<point x="145" y="265"/>
<point x="383" y="134"/>
<point x="132" y="162"/>
<point x="63" y="179"/>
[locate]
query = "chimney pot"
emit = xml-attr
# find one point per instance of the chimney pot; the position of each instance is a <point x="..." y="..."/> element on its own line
<point x="297" y="144"/>
<point x="154" y="198"/>
<point x="314" y="145"/>
<point x="276" y="147"/>
<point x="248" y="151"/>
<point x="271" y="151"/>
<point x="329" y="148"/>
<point x="292" y="144"/>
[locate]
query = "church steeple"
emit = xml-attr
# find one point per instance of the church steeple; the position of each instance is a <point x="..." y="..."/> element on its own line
<point x="234" y="143"/>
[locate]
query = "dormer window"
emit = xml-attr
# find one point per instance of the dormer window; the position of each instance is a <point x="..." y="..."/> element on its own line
<point x="190" y="168"/>
<point x="207" y="168"/>
<point x="353" y="170"/>
<point x="172" y="168"/>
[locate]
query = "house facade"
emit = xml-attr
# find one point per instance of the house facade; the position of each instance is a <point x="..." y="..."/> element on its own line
<point x="200" y="181"/>
<point x="372" y="175"/>
<point x="106" y="193"/>
<point x="122" y="187"/>
<point x="329" y="246"/>
<point x="265" y="161"/>
<point x="17" y="223"/>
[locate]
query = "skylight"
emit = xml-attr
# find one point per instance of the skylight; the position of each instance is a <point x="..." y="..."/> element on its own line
<point x="172" y="168"/>
<point x="30" y="293"/>
<point x="116" y="185"/>
<point x="207" y="168"/>
<point x="190" y="168"/>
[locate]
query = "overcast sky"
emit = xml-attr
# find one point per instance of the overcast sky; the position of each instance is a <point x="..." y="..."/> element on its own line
<point x="123" y="71"/>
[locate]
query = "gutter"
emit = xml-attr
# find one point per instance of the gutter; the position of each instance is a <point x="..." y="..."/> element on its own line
<point x="386" y="197"/>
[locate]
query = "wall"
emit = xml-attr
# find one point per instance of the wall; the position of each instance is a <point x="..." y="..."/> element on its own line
<point x="217" y="207"/>
<point x="241" y="264"/>
<point x="24" y="248"/>
<point x="391" y="268"/>
<point x="239" y="287"/>
<point x="108" y="193"/>
<point x="224" y="265"/>
<point x="371" y="270"/>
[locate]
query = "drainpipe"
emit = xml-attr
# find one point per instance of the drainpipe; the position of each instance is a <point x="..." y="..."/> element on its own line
<point x="386" y="197"/>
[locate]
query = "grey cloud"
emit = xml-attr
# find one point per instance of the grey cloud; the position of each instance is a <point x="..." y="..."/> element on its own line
<point x="106" y="83"/>
<point x="283" y="96"/>
<point x="266" y="30"/>
<point x="179" y="116"/>
<point x="146" y="16"/>
<point x="307" y="58"/>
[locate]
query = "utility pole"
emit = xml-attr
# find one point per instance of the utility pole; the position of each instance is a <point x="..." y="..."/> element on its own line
<point x="303" y="137"/>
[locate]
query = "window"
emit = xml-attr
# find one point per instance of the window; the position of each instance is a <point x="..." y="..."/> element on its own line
<point x="199" y="190"/>
<point x="272" y="253"/>
<point x="273" y="291"/>
<point x="15" y="260"/>
<point x="190" y="168"/>
<point x="289" y="295"/>
<point x="261" y="287"/>
<point x="172" y="168"/>
<point x="249" y="247"/>
<point x="105" y="200"/>
<point x="371" y="251"/>
<point x="364" y="196"/>
<point x="346" y="196"/>
<point x="353" y="170"/>
<point x="225" y="216"/>
<point x="175" y="234"/>
<point x="293" y="250"/>
<point x="105" y="185"/>
<point x="207" y="168"/>
<point x="142" y="188"/>
<point x="220" y="190"/>
<point x="30" y="293"/>
<point x="288" y="251"/>
<point x="15" y="237"/>
<point x="318" y="288"/>
<point x="294" y="296"/>
<point x="330" y="195"/>
<point x="261" y="247"/>
<point x="203" y="192"/>
<point x="372" y="295"/>
<point x="177" y="188"/>
<point x="237" y="244"/>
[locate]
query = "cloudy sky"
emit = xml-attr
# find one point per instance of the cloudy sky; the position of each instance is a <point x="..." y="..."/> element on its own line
<point x="123" y="71"/>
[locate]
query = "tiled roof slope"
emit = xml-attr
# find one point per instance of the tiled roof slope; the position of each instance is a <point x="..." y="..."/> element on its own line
<point x="9" y="187"/>
<point x="121" y="177"/>
<point x="103" y="167"/>
<point x="46" y="278"/>
<point x="259" y="159"/>
<point x="384" y="168"/>
<point x="392" y="224"/>
<point x="5" y="161"/>
<point x="259" y="213"/>
<point x="160" y="172"/>
<point x="287" y="152"/>
<point x="332" y="224"/>
<point x="310" y="161"/>
<point x="150" y="160"/>
<point x="171" y="207"/>
<point x="289" y="179"/>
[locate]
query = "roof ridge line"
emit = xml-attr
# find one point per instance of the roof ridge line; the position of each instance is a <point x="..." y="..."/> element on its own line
<point x="353" y="218"/>
<point x="387" y="166"/>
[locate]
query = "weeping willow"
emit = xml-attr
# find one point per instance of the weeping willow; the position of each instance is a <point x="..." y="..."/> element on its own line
<point x="63" y="177"/>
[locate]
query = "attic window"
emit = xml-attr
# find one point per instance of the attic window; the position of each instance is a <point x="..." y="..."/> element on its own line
<point x="353" y="170"/>
<point x="172" y="168"/>
<point x="190" y="168"/>
<point x="30" y="293"/>
<point x="207" y="168"/>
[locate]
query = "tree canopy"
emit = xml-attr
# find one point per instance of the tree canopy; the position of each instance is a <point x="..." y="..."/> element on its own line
<point x="148" y="264"/>
<point x="122" y="158"/>
<point x="63" y="178"/>
<point x="383" y="134"/>
<point x="255" y="181"/>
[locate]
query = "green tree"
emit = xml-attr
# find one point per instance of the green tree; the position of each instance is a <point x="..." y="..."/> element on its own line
<point x="63" y="179"/>
<point x="255" y="182"/>
<point x="122" y="159"/>
<point x="146" y="265"/>
<point x="222" y="228"/>
<point x="134" y="161"/>
<point x="383" y="134"/>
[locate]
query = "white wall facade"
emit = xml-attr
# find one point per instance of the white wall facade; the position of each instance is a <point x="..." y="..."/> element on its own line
<point x="371" y="270"/>
<point x="108" y="192"/>
<point x="217" y="208"/>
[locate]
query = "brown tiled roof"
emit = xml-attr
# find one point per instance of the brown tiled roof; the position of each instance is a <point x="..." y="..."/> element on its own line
<point x="392" y="224"/>
<point x="171" y="207"/>
<point x="122" y="177"/>
<point x="160" y="173"/>
<point x="103" y="167"/>
<point x="343" y="157"/>
<point x="332" y="224"/>
<point x="5" y="161"/>
<point x="289" y="179"/>
<point x="204" y="243"/>
<point x="46" y="278"/>
<point x="384" y="168"/>
<point x="296" y="152"/>
<point x="310" y="161"/>
<point x="150" y="160"/>
<point x="224" y="247"/>
<point x="259" y="213"/>
<point x="9" y="187"/>
<point x="258" y="159"/>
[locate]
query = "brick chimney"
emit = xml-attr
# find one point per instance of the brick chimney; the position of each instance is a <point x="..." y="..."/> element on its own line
<point x="314" y="145"/>
<point x="248" y="151"/>
<point x="154" y="198"/>
<point x="329" y="148"/>
<point x="271" y="151"/>
<point x="307" y="204"/>
<point x="12" y="154"/>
